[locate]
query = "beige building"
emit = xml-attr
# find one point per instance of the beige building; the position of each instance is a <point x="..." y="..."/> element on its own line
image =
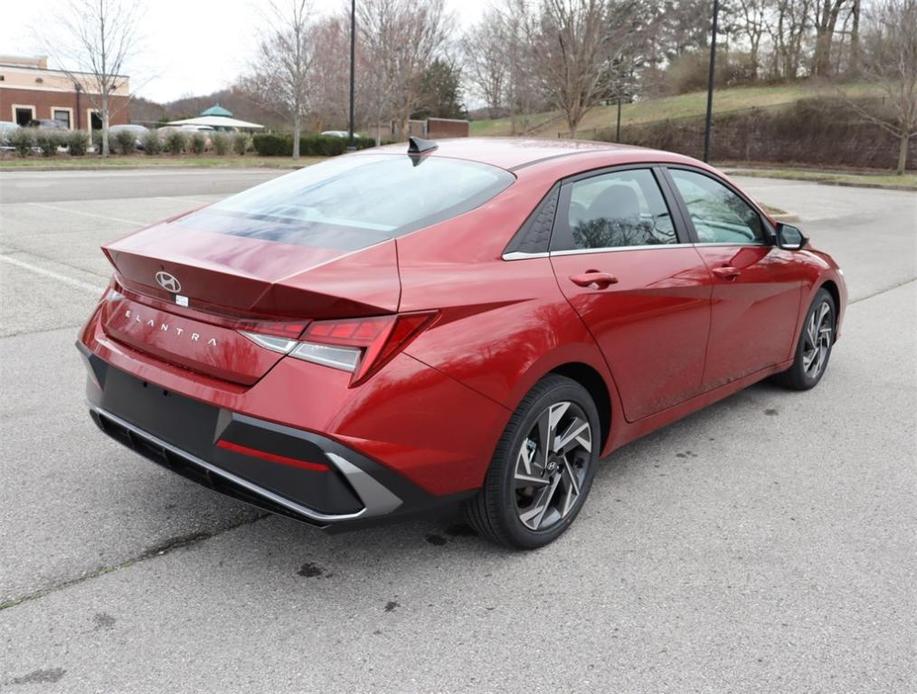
<point x="30" y="91"/>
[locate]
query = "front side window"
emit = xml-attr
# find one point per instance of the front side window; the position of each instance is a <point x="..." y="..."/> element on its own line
<point x="614" y="210"/>
<point x="718" y="214"/>
<point x="353" y="202"/>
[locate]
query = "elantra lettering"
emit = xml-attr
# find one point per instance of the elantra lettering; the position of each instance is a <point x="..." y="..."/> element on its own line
<point x="164" y="327"/>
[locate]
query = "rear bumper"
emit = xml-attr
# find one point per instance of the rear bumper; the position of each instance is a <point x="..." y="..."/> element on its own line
<point x="333" y="485"/>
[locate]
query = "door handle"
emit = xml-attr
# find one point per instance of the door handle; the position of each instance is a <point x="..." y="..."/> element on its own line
<point x="726" y="272"/>
<point x="593" y="277"/>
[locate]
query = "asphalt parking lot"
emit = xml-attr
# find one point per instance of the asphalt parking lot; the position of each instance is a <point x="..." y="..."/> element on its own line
<point x="768" y="543"/>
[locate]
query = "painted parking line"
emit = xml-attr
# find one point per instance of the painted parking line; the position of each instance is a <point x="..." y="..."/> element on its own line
<point x="66" y="210"/>
<point x="94" y="289"/>
<point x="189" y="198"/>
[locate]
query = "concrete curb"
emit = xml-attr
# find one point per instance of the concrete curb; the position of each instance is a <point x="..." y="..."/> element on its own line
<point x="826" y="182"/>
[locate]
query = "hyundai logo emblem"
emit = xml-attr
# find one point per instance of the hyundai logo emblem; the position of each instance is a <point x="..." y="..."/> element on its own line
<point x="168" y="282"/>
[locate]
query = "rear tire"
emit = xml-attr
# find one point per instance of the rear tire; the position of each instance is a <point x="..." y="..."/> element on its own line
<point x="816" y="339"/>
<point x="542" y="469"/>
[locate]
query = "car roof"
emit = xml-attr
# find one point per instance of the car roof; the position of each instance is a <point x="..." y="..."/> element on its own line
<point x="514" y="153"/>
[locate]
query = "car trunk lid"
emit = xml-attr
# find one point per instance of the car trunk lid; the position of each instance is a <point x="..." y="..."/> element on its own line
<point x="211" y="285"/>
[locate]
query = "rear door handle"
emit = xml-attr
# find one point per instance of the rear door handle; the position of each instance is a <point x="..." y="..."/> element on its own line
<point x="593" y="277"/>
<point x="726" y="272"/>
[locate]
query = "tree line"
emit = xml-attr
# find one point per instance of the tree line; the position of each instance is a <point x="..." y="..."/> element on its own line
<point x="529" y="56"/>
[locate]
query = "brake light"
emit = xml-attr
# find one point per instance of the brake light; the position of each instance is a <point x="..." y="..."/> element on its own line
<point x="358" y="345"/>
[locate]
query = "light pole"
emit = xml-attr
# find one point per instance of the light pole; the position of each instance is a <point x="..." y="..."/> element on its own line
<point x="353" y="43"/>
<point x="710" y="80"/>
<point x="618" y="128"/>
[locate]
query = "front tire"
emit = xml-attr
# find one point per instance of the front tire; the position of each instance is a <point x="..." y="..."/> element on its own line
<point x="815" y="343"/>
<point x="542" y="468"/>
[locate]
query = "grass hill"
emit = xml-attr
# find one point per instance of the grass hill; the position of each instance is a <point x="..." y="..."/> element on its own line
<point x="691" y="105"/>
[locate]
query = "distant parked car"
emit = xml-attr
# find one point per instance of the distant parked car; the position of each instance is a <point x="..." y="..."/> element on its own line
<point x="47" y="124"/>
<point x="138" y="131"/>
<point x="7" y="128"/>
<point x="338" y="133"/>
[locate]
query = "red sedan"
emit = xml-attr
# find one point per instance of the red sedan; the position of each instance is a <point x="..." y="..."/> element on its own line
<point x="474" y="321"/>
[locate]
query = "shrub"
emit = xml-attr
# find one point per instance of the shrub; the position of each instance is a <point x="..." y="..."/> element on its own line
<point x="22" y="141"/>
<point x="125" y="141"/>
<point x="220" y="144"/>
<point x="689" y="72"/>
<point x="47" y="141"/>
<point x="152" y="144"/>
<point x="176" y="142"/>
<point x="97" y="142"/>
<point x="281" y="144"/>
<point x="273" y="144"/>
<point x="78" y="140"/>
<point x="198" y="143"/>
<point x="240" y="143"/>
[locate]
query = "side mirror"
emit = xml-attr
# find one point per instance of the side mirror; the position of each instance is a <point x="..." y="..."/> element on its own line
<point x="790" y="238"/>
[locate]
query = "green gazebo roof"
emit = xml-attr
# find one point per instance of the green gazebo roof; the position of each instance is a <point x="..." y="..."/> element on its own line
<point x="217" y="110"/>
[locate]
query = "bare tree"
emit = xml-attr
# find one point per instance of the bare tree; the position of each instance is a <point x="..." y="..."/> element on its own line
<point x="485" y="60"/>
<point x="890" y="61"/>
<point x="330" y="83"/>
<point x="572" y="54"/>
<point x="751" y="24"/>
<point x="631" y="46"/>
<point x="578" y="47"/>
<point x="826" y="14"/>
<point x="789" y="27"/>
<point x="519" y="29"/>
<point x="282" y="66"/>
<point x="853" y="66"/>
<point x="401" y="38"/>
<point x="95" y="40"/>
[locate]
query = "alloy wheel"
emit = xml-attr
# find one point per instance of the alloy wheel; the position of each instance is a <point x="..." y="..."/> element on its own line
<point x="817" y="340"/>
<point x="551" y="466"/>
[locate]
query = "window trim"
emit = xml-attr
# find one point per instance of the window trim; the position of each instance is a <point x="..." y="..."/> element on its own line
<point x="618" y="249"/>
<point x="69" y="110"/>
<point x="23" y="107"/>
<point x="769" y="232"/>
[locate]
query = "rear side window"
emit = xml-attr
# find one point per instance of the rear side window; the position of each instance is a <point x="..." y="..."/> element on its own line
<point x="353" y="202"/>
<point x="614" y="210"/>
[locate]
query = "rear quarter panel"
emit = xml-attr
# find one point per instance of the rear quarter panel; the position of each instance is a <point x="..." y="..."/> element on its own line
<point x="502" y="324"/>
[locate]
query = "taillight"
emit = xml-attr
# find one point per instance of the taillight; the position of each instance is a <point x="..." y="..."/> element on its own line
<point x="358" y="345"/>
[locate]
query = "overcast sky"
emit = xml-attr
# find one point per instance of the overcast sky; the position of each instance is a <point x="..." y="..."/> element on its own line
<point x="186" y="46"/>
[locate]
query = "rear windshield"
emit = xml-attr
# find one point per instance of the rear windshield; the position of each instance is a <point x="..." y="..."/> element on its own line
<point x="353" y="202"/>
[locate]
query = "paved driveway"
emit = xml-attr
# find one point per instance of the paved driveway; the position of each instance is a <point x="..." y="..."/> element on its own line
<point x="765" y="544"/>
